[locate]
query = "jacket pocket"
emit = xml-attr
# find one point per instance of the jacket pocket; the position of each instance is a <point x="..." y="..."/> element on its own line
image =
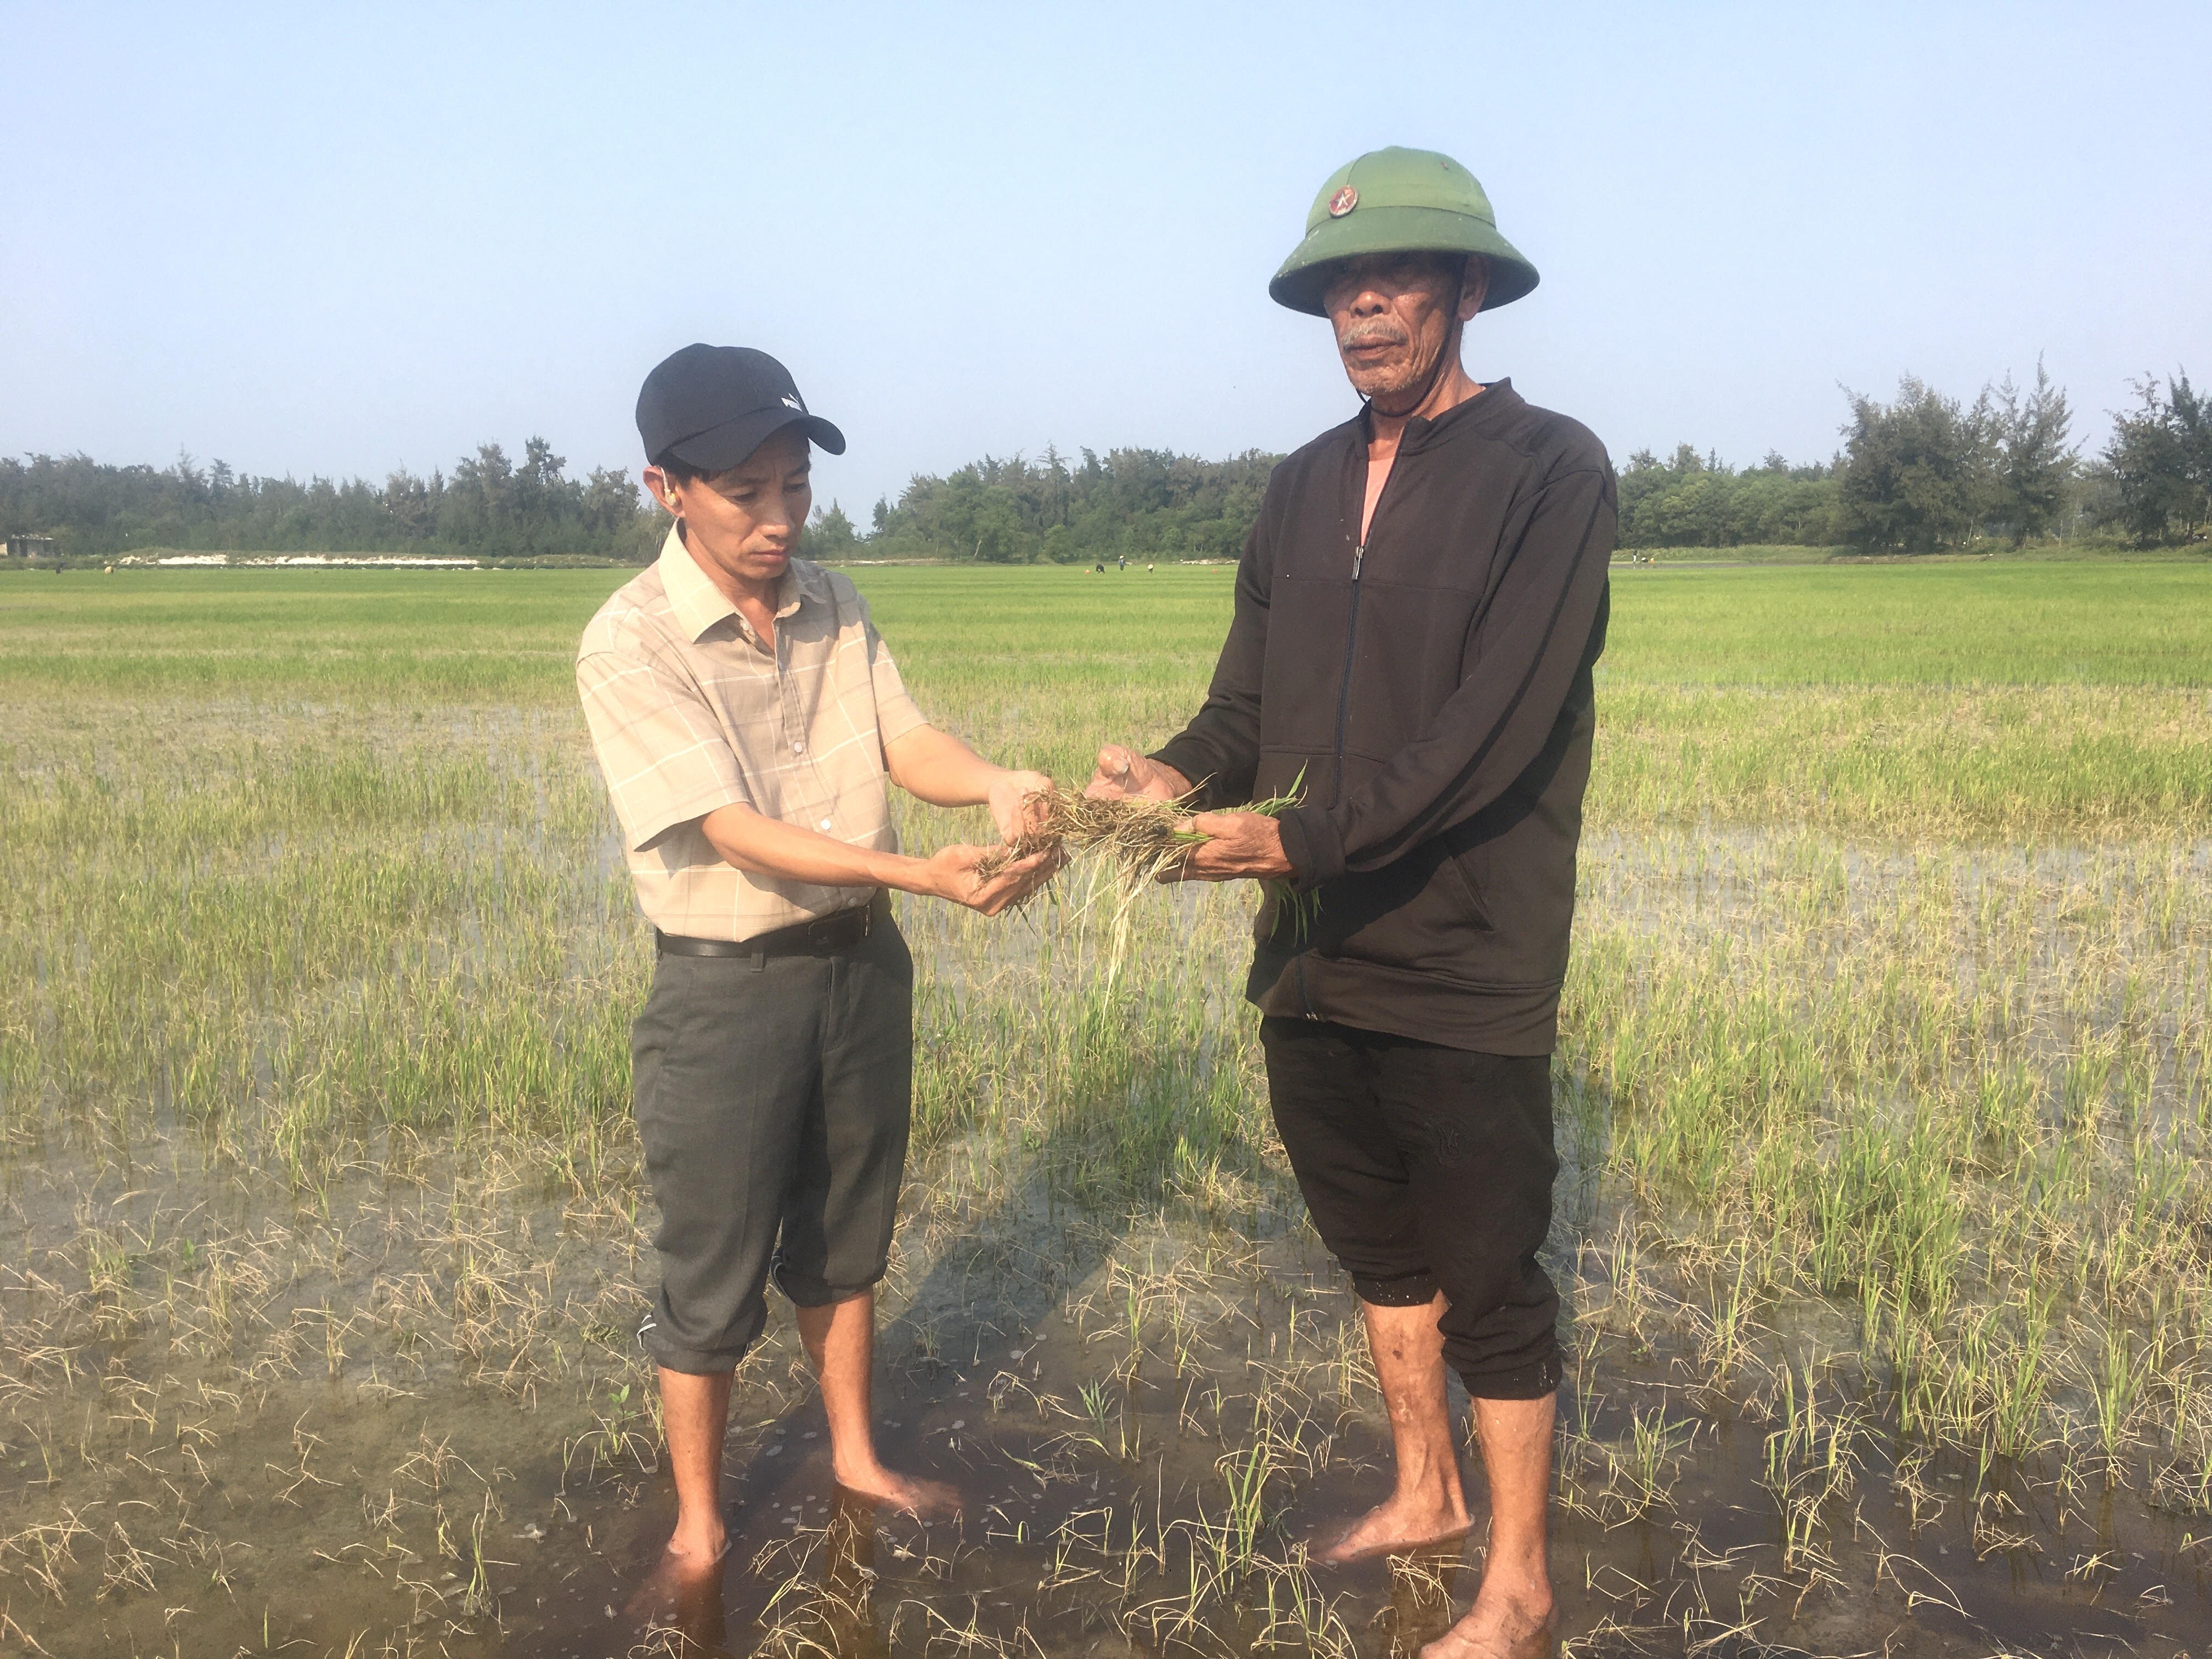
<point x="1468" y="890"/>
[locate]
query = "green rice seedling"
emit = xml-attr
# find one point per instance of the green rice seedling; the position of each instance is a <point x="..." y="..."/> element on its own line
<point x="1731" y="1324"/>
<point x="1093" y="1395"/>
<point x="476" y="1596"/>
<point x="2113" y="1385"/>
<point x="1811" y="1461"/>
<point x="2005" y="1111"/>
<point x="2088" y="1073"/>
<point x="1645" y="1469"/>
<point x="1245" y="1479"/>
<point x="2019" y="1387"/>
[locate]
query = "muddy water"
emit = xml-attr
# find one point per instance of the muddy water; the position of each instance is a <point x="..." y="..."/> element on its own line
<point x="401" y="1414"/>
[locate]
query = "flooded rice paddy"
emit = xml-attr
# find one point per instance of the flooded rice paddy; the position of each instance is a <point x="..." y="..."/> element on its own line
<point x="1883" y="1227"/>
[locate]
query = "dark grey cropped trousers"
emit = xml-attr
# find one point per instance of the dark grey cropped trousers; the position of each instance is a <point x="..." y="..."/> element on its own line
<point x="773" y="1097"/>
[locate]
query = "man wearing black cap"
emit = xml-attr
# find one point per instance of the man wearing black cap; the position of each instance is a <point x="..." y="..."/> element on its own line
<point x="747" y="717"/>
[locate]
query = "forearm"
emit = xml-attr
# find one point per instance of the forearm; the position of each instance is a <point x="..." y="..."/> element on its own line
<point x="1218" y="752"/>
<point x="761" y="846"/>
<point x="936" y="767"/>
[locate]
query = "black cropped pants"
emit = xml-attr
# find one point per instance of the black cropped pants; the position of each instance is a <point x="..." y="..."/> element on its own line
<point x="1429" y="1169"/>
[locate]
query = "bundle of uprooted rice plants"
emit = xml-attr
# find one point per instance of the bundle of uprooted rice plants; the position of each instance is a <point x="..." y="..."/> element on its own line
<point x="1145" y="838"/>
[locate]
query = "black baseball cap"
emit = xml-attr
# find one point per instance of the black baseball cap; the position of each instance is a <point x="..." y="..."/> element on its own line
<point x="711" y="406"/>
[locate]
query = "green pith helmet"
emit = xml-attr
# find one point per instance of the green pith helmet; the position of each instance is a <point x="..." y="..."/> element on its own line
<point x="1399" y="201"/>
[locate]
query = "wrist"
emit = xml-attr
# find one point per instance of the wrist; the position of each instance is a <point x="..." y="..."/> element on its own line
<point x="1010" y="796"/>
<point x="903" y="872"/>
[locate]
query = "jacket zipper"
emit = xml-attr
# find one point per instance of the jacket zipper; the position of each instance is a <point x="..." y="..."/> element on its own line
<point x="1344" y="702"/>
<point x="1344" y="692"/>
<point x="1343" y="714"/>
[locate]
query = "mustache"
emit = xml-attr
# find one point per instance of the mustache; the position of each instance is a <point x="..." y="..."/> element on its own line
<point x="1374" y="331"/>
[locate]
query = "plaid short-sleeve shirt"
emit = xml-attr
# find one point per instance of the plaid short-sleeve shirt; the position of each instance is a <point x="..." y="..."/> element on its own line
<point x="690" y="710"/>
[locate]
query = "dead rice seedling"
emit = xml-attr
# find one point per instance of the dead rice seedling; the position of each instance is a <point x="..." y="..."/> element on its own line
<point x="1145" y="840"/>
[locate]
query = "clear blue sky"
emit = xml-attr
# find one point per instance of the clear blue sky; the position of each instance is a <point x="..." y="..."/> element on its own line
<point x="337" y="239"/>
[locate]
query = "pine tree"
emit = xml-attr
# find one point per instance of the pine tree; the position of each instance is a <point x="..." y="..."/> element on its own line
<point x="2035" y="465"/>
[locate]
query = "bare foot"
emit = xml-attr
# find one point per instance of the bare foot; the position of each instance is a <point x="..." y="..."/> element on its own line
<point x="1501" y="1627"/>
<point x="684" y="1588"/>
<point x="925" y="1500"/>
<point x="1399" y="1524"/>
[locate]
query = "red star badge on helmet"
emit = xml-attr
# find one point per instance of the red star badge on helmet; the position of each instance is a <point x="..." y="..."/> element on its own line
<point x="1343" y="202"/>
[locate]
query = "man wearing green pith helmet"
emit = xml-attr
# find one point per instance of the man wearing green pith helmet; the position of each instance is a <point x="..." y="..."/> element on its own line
<point x="1419" y="610"/>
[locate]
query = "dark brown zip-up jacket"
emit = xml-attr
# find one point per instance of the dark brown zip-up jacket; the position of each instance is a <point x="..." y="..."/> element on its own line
<point x="1433" y="688"/>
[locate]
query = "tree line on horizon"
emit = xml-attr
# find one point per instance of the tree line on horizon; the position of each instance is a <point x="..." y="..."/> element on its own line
<point x="489" y="506"/>
<point x="1921" y="473"/>
<point x="1127" y="503"/>
<point x="1926" y="472"/>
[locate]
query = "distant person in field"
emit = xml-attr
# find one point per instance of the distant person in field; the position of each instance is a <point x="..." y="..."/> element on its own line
<point x="1418" y="612"/>
<point x="747" y="717"/>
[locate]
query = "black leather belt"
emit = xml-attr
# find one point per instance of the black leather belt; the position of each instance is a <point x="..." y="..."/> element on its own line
<point x="841" y="930"/>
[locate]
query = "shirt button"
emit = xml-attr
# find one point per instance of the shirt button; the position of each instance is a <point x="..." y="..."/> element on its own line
<point x="825" y="824"/>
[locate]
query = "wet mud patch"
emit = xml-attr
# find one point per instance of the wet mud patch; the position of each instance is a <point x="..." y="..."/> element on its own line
<point x="1146" y="1417"/>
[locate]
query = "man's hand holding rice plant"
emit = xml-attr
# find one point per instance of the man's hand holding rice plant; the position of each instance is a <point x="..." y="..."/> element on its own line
<point x="1016" y="802"/>
<point x="1125" y="775"/>
<point x="1237" y="846"/>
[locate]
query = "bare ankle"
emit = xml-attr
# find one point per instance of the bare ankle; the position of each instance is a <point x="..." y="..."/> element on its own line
<point x="1517" y="1569"/>
<point x="1435" y="1489"/>
<point x="1526" y="1588"/>
<point x="698" y="1537"/>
